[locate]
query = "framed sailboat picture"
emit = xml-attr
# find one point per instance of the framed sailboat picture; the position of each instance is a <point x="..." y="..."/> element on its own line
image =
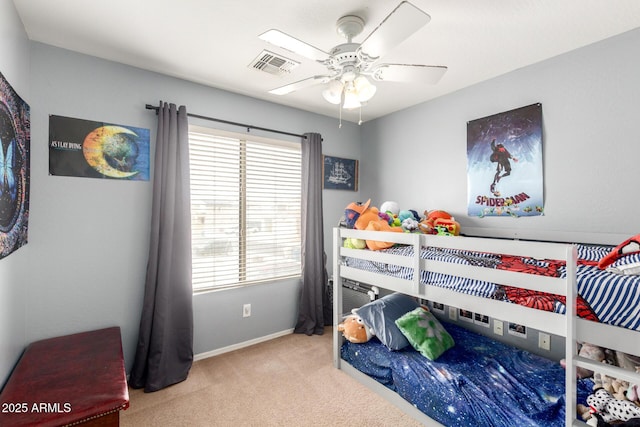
<point x="339" y="173"/>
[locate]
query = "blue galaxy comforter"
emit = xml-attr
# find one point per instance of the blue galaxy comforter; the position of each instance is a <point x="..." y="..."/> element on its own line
<point x="479" y="382"/>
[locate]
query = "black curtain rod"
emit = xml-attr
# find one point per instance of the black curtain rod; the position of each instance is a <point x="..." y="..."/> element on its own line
<point x="248" y="127"/>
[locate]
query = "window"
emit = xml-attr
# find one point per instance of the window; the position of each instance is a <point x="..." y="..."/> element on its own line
<point x="245" y="208"/>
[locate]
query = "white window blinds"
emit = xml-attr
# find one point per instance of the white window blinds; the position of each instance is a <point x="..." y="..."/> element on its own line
<point x="245" y="208"/>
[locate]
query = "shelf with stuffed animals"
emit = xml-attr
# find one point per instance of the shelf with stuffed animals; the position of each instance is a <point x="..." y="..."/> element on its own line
<point x="614" y="398"/>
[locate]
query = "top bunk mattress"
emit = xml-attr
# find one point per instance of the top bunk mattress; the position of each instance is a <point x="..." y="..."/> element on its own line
<point x="603" y="296"/>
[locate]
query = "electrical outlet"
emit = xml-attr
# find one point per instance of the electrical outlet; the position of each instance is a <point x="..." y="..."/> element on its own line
<point x="453" y="313"/>
<point x="246" y="310"/>
<point x="544" y="341"/>
<point x="497" y="327"/>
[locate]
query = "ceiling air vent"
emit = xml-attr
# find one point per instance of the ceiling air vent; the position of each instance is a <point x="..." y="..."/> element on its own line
<point x="272" y="63"/>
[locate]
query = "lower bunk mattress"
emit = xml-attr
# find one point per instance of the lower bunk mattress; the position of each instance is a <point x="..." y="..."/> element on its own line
<point x="478" y="382"/>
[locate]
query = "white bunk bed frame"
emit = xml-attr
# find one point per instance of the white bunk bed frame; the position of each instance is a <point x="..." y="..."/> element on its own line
<point x="568" y="326"/>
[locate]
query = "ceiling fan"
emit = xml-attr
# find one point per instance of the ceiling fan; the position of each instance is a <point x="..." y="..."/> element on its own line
<point x="349" y="64"/>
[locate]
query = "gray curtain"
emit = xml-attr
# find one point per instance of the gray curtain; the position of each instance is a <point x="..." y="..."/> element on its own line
<point x="314" y="310"/>
<point x="164" y="353"/>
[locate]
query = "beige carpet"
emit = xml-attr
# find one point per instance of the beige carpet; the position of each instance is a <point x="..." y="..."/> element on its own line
<point x="288" y="381"/>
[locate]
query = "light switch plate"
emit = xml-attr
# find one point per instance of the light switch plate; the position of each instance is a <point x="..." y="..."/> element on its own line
<point x="544" y="341"/>
<point x="497" y="327"/>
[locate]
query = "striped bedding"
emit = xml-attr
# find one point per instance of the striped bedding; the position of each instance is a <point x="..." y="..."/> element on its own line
<point x="605" y="297"/>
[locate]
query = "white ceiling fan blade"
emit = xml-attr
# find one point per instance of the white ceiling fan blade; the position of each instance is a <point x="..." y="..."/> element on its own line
<point x="430" y="74"/>
<point x="301" y="84"/>
<point x="405" y="20"/>
<point x="292" y="44"/>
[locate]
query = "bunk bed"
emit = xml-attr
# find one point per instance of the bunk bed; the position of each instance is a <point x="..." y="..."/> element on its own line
<point x="407" y="270"/>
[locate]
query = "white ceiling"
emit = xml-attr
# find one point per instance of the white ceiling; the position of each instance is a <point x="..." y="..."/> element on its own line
<point x="213" y="41"/>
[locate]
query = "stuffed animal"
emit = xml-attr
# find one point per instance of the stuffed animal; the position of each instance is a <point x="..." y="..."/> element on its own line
<point x="451" y="226"/>
<point x="390" y="206"/>
<point x="369" y="220"/>
<point x="588" y="351"/>
<point x="409" y="224"/>
<point x="617" y="388"/>
<point x="376" y="245"/>
<point x="353" y="243"/>
<point x="367" y="216"/>
<point x="354" y="329"/>
<point x="386" y="216"/>
<point x="632" y="394"/>
<point x="353" y="212"/>
<point x="584" y="412"/>
<point x="394" y="221"/>
<point x="629" y="246"/>
<point x="610" y="408"/>
<point x="438" y="218"/>
<point x="389" y="212"/>
<point x="404" y="214"/>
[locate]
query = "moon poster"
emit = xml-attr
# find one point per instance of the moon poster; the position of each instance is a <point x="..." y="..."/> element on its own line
<point x="15" y="138"/>
<point x="504" y="164"/>
<point x="91" y="149"/>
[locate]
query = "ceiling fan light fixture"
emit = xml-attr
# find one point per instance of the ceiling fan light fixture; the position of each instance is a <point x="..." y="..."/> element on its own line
<point x="333" y="93"/>
<point x="364" y="88"/>
<point x="351" y="100"/>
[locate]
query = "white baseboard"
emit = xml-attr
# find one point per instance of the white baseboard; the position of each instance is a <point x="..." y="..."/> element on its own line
<point x="238" y="346"/>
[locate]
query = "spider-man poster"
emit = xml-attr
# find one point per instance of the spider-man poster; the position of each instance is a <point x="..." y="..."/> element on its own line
<point x="15" y="139"/>
<point x="504" y="164"/>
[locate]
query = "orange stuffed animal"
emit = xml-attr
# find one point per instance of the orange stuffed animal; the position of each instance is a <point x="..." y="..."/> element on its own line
<point x="438" y="218"/>
<point x="370" y="214"/>
<point x="354" y="329"/>
<point x="376" y="245"/>
<point x="370" y="220"/>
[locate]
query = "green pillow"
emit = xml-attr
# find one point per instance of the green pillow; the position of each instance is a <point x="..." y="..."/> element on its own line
<point x="425" y="333"/>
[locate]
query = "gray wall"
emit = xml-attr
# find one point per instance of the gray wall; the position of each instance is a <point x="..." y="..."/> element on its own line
<point x="14" y="66"/>
<point x="590" y="110"/>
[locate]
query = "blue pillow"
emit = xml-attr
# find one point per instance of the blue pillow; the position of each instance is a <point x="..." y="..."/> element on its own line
<point x="381" y="315"/>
